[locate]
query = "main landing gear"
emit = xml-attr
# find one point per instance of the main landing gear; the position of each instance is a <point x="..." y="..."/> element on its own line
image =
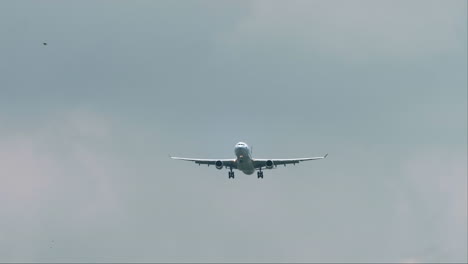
<point x="231" y="174"/>
<point x="260" y="174"/>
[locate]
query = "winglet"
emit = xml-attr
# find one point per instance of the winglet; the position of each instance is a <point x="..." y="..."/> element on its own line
<point x="325" y="155"/>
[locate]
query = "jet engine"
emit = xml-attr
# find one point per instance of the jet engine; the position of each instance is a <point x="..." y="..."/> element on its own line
<point x="269" y="164"/>
<point x="219" y="164"/>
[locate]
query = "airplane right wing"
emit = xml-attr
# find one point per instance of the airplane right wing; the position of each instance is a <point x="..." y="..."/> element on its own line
<point x="224" y="162"/>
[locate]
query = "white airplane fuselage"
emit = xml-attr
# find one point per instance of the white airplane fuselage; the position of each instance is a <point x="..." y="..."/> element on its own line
<point x="244" y="158"/>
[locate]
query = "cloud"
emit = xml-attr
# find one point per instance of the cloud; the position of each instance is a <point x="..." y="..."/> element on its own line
<point x="106" y="191"/>
<point x="431" y="206"/>
<point x="54" y="177"/>
<point x="33" y="162"/>
<point x="61" y="183"/>
<point x="355" y="30"/>
<point x="411" y="260"/>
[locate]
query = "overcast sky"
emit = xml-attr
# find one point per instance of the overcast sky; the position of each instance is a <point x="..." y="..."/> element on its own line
<point x="88" y="120"/>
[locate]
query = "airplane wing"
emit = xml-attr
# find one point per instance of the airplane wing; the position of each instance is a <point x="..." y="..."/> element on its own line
<point x="226" y="162"/>
<point x="261" y="163"/>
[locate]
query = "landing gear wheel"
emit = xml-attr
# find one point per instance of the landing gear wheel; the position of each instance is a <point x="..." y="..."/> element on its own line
<point x="231" y="175"/>
<point x="260" y="174"/>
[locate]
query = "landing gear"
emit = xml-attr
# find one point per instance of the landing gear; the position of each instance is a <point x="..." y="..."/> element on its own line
<point x="260" y="174"/>
<point x="231" y="174"/>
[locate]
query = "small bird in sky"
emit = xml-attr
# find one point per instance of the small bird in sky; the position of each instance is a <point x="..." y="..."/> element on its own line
<point x="44" y="43"/>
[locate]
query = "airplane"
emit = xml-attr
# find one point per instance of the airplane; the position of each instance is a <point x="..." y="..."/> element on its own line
<point x="245" y="163"/>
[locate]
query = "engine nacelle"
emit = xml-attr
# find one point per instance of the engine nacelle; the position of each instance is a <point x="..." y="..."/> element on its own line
<point x="219" y="164"/>
<point x="269" y="164"/>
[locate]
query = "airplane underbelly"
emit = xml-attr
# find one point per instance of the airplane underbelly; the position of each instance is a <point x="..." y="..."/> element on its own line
<point x="246" y="166"/>
<point x="244" y="160"/>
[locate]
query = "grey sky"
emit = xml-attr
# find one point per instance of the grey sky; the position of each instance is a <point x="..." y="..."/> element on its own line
<point x="87" y="122"/>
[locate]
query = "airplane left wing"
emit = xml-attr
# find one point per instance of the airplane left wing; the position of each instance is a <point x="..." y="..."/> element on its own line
<point x="260" y="163"/>
<point x="225" y="162"/>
